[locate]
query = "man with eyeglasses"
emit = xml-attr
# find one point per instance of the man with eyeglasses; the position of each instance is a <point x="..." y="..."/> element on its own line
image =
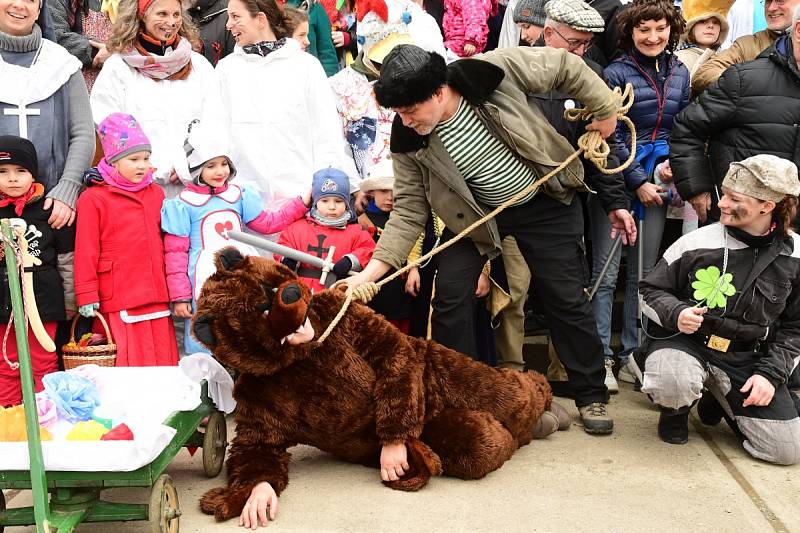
<point x="746" y="48"/>
<point x="569" y="25"/>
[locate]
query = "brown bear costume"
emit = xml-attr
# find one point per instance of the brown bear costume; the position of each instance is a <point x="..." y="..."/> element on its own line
<point x="365" y="386"/>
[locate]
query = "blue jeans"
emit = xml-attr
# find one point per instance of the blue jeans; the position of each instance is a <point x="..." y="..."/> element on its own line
<point x="603" y="300"/>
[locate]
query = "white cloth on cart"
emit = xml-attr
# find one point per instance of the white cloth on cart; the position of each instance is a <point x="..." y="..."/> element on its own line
<point x="146" y="397"/>
<point x="201" y="366"/>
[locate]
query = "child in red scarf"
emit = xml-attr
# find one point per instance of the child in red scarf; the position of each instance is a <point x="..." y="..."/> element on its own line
<point x="21" y="201"/>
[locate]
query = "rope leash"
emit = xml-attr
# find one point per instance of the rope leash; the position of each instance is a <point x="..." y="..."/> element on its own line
<point x="591" y="144"/>
<point x="18" y="256"/>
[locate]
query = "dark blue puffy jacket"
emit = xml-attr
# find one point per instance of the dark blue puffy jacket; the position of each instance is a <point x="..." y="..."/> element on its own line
<point x="659" y="95"/>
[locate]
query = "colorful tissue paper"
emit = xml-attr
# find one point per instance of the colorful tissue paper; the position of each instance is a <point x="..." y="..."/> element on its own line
<point x="90" y="430"/>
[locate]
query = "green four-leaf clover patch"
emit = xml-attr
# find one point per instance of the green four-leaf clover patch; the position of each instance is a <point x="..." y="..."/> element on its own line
<point x="711" y="288"/>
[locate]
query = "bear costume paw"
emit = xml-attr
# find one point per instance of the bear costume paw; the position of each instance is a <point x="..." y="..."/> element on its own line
<point x="224" y="503"/>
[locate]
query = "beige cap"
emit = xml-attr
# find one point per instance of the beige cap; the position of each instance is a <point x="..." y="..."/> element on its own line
<point x="763" y="176"/>
<point x="381" y="176"/>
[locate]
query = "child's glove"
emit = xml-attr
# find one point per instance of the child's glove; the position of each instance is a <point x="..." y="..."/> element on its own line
<point x="291" y="263"/>
<point x="342" y="267"/>
<point x="92" y="177"/>
<point x="89" y="310"/>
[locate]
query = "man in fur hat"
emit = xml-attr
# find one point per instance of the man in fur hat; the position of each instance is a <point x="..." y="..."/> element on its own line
<point x="465" y="141"/>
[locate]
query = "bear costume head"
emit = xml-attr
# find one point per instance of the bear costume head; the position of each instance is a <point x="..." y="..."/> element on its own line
<point x="261" y="297"/>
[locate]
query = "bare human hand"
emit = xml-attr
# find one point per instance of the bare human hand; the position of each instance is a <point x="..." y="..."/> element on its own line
<point x="262" y="498"/>
<point x="61" y="215"/>
<point x="182" y="309"/>
<point x="469" y="49"/>
<point x="648" y="194"/>
<point x="101" y="55"/>
<point x="622" y="223"/>
<point x="338" y="39"/>
<point x="666" y="172"/>
<point x="605" y="126"/>
<point x="484" y="285"/>
<point x="701" y="205"/>
<point x="394" y="461"/>
<point x="690" y="319"/>
<point x="761" y="391"/>
<point x="413" y="282"/>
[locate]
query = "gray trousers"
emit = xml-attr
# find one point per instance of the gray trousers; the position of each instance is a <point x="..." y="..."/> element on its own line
<point x="674" y="379"/>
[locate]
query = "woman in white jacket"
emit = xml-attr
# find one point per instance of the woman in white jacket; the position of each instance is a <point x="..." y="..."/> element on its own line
<point x="283" y="123"/>
<point x="155" y="76"/>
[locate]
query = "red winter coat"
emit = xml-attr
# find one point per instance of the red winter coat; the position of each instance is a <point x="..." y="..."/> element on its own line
<point x="312" y="238"/>
<point x="119" y="252"/>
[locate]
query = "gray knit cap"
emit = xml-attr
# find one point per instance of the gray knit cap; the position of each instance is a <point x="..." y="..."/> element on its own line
<point x="531" y="12"/>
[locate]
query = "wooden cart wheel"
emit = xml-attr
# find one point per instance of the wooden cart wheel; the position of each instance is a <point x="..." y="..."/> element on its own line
<point x="165" y="511"/>
<point x="2" y="507"/>
<point x="214" y="444"/>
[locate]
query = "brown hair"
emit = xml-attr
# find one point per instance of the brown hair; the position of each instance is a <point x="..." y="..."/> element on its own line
<point x="784" y="213"/>
<point x="280" y="24"/>
<point x="638" y="11"/>
<point x="129" y="24"/>
<point x="295" y="16"/>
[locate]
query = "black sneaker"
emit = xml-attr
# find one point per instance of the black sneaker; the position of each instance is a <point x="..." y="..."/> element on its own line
<point x="673" y="428"/>
<point x="709" y="411"/>
<point x="596" y="419"/>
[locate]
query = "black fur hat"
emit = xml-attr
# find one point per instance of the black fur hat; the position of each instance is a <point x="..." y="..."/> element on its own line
<point x="409" y="75"/>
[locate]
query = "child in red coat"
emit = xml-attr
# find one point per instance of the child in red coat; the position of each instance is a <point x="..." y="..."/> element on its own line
<point x="120" y="265"/>
<point x="329" y="223"/>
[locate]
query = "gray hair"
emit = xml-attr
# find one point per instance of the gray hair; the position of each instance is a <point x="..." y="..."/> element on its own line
<point x="796" y="16"/>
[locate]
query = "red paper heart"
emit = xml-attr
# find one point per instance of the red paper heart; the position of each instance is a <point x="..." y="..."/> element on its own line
<point x="223" y="229"/>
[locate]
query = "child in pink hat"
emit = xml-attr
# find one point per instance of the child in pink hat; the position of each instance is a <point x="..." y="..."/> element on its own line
<point x="120" y="267"/>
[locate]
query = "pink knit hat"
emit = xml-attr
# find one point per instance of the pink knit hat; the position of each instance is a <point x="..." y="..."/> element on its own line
<point x="121" y="135"/>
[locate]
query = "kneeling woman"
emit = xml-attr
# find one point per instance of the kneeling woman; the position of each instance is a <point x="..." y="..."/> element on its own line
<point x="724" y="310"/>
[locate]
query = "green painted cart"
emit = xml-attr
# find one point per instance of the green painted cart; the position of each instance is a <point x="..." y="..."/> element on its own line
<point x="75" y="496"/>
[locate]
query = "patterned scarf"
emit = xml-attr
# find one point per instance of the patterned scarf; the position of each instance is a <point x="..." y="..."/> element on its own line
<point x="34" y="193"/>
<point x="175" y="64"/>
<point x="264" y="48"/>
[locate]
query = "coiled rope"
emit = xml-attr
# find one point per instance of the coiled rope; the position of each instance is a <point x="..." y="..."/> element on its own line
<point x="591" y="144"/>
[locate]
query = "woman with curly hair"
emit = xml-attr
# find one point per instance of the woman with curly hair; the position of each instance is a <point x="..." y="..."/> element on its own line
<point x="156" y="76"/>
<point x="649" y="31"/>
<point x="723" y="310"/>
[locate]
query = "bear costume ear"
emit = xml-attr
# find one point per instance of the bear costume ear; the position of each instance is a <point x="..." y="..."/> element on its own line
<point x="201" y="328"/>
<point x="229" y="258"/>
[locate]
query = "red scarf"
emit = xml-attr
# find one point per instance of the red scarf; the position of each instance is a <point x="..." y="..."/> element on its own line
<point x="34" y="193"/>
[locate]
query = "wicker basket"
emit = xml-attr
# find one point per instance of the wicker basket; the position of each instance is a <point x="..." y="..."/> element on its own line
<point x="102" y="355"/>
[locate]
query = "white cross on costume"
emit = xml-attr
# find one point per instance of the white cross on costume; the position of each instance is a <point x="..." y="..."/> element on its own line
<point x="22" y="112"/>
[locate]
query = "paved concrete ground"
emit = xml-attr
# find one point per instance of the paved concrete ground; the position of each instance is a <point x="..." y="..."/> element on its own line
<point x="628" y="481"/>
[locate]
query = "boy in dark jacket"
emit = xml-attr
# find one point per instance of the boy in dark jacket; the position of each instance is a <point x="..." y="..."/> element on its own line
<point x="49" y="276"/>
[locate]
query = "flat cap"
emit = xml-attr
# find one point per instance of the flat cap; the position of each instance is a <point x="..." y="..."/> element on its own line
<point x="763" y="176"/>
<point x="530" y="12"/>
<point x="576" y="14"/>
